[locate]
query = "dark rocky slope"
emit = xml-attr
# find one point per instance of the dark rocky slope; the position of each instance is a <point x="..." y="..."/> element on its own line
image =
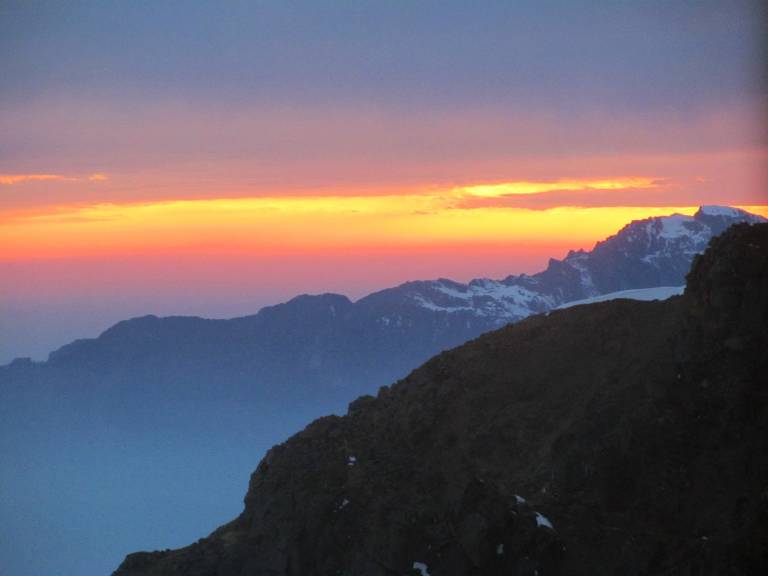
<point x="637" y="430"/>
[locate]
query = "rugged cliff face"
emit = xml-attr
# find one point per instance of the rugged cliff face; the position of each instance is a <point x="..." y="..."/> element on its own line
<point x="615" y="438"/>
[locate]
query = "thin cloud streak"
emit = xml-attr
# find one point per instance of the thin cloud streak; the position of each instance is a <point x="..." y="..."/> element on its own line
<point x="12" y="179"/>
<point x="523" y="188"/>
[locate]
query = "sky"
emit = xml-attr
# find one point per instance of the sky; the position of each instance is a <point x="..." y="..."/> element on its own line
<point x="211" y="158"/>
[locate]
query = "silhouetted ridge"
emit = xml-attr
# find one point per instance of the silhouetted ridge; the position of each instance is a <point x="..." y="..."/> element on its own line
<point x="431" y="315"/>
<point x="615" y="438"/>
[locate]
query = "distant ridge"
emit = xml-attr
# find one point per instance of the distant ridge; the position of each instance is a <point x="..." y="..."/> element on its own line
<point x="647" y="253"/>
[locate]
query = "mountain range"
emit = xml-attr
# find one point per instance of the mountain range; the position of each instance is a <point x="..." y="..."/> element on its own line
<point x="221" y="392"/>
<point x="619" y="437"/>
<point x="305" y="338"/>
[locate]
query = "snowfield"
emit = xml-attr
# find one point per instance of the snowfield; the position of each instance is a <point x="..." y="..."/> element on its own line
<point x="647" y="294"/>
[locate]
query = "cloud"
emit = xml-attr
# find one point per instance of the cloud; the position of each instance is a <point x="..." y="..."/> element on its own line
<point x="11" y="179"/>
<point x="524" y="188"/>
<point x="621" y="191"/>
<point x="587" y="198"/>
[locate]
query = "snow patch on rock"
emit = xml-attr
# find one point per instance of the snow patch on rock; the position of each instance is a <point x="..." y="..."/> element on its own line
<point x="543" y="522"/>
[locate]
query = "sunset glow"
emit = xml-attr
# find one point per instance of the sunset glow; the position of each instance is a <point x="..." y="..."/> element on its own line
<point x="274" y="225"/>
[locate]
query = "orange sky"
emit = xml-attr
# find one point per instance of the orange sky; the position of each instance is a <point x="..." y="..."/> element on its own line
<point x="478" y="215"/>
<point x="165" y="178"/>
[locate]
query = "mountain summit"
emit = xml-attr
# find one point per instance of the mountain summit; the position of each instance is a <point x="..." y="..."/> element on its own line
<point x="616" y="438"/>
<point x="644" y="254"/>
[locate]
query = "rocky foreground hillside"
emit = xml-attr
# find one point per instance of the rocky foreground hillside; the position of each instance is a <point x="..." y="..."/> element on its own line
<point x="616" y="438"/>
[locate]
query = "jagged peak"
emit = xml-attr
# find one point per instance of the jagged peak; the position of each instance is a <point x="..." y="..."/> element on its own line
<point x="715" y="210"/>
<point x="727" y="212"/>
<point x="659" y="247"/>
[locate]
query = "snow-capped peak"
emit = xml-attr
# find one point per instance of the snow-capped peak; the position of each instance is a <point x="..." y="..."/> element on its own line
<point x="655" y="252"/>
<point x="722" y="211"/>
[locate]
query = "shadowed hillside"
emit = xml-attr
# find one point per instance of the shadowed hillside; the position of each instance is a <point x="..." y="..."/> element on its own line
<point x="615" y="438"/>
